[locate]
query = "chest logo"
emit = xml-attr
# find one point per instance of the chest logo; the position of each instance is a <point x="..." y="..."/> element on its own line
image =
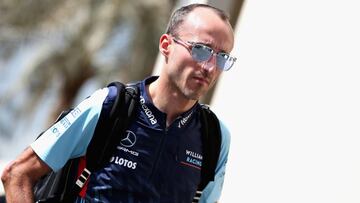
<point x="129" y="140"/>
<point x="193" y="159"/>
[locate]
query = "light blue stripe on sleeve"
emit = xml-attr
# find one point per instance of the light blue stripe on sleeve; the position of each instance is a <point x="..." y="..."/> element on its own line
<point x="212" y="191"/>
<point x="69" y="137"/>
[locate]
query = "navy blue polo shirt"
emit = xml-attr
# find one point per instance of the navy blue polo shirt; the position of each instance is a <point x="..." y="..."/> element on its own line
<point x="153" y="163"/>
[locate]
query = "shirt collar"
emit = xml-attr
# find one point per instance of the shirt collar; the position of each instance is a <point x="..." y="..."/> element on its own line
<point x="180" y="121"/>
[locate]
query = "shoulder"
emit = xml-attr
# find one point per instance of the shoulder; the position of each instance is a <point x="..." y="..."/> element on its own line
<point x="210" y="118"/>
<point x="224" y="130"/>
<point x="224" y="147"/>
<point x="70" y="136"/>
<point x="99" y="97"/>
<point x="225" y="135"/>
<point x="110" y="97"/>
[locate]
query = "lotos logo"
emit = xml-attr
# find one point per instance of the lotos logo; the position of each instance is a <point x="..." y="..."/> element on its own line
<point x="123" y="162"/>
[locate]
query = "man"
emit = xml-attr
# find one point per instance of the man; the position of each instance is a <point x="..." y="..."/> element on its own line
<point x="167" y="130"/>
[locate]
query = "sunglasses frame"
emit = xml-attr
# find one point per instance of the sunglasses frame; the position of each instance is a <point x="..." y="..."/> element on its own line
<point x="191" y="45"/>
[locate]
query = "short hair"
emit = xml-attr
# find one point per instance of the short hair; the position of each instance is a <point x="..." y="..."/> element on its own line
<point x="179" y="15"/>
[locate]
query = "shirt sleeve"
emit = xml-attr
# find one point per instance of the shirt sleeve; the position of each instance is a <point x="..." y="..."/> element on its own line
<point x="212" y="191"/>
<point x="70" y="136"/>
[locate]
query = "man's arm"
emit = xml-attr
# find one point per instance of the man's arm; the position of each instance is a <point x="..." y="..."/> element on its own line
<point x="66" y="139"/>
<point x="20" y="176"/>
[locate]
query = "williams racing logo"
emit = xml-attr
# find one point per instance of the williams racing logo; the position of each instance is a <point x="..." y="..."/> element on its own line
<point x="193" y="159"/>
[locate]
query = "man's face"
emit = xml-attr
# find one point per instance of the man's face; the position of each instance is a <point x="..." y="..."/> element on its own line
<point x="193" y="79"/>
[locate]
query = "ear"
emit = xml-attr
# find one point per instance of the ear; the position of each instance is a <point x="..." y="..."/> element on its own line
<point x="164" y="45"/>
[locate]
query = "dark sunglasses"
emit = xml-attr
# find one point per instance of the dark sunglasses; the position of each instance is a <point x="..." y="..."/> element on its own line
<point x="202" y="53"/>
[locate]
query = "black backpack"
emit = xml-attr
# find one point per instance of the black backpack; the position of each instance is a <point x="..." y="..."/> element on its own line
<point x="65" y="184"/>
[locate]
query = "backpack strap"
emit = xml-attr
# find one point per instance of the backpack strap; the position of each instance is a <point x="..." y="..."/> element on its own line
<point x="107" y="135"/>
<point x="99" y="144"/>
<point x="211" y="139"/>
<point x="107" y="132"/>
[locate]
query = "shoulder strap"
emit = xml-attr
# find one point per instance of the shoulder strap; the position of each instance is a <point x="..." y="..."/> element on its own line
<point x="211" y="139"/>
<point x="107" y="132"/>
<point x="107" y="135"/>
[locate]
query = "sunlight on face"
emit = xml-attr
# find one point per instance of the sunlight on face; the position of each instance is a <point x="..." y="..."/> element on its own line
<point x="190" y="78"/>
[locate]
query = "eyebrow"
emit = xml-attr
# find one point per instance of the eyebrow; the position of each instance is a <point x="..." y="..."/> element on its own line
<point x="210" y="45"/>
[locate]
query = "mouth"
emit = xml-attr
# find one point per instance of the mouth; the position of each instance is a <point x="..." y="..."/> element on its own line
<point x="202" y="80"/>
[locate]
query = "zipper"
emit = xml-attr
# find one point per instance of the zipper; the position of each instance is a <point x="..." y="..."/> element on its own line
<point x="158" y="154"/>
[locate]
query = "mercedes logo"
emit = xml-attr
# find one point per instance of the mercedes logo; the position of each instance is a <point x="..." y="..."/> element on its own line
<point x="129" y="140"/>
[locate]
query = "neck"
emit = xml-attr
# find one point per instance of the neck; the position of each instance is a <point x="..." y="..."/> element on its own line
<point x="168" y="100"/>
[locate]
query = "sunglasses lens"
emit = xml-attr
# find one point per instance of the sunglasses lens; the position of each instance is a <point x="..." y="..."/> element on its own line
<point x="224" y="61"/>
<point x="221" y="61"/>
<point x="201" y="53"/>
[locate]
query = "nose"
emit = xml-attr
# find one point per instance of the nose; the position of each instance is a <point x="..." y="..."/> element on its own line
<point x="210" y="64"/>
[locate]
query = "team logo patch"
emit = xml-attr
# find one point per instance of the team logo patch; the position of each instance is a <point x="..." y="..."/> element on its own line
<point x="123" y="162"/>
<point x="147" y="111"/>
<point x="129" y="140"/>
<point x="184" y="120"/>
<point x="192" y="159"/>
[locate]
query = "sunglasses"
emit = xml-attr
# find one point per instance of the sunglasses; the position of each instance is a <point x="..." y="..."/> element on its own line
<point x="202" y="53"/>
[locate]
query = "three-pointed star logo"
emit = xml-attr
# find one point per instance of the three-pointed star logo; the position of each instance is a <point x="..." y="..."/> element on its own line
<point x="129" y="140"/>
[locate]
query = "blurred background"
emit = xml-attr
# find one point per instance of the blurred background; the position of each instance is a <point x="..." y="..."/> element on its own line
<point x="291" y="101"/>
<point x="53" y="54"/>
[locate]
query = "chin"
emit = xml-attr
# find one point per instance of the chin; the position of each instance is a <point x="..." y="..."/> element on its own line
<point x="193" y="95"/>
